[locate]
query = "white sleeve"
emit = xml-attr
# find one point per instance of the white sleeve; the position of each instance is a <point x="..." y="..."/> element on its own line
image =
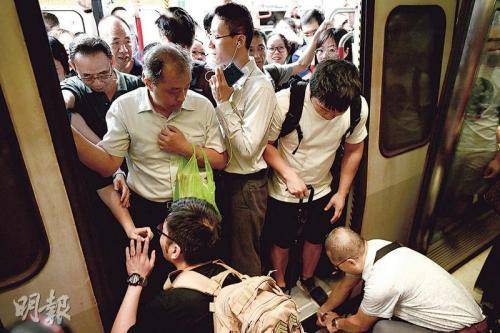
<point x="380" y="298"/>
<point x="247" y="132"/>
<point x="116" y="141"/>
<point x="214" y="139"/>
<point x="359" y="133"/>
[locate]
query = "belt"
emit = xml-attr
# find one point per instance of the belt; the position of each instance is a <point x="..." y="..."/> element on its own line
<point x="248" y="176"/>
<point x="481" y="327"/>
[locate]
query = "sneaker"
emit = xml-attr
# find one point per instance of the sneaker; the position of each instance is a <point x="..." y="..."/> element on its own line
<point x="315" y="292"/>
<point x="307" y="285"/>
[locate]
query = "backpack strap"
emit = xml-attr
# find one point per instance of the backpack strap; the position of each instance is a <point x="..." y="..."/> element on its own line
<point x="385" y="250"/>
<point x="292" y="118"/>
<point x="192" y="280"/>
<point x="355" y="117"/>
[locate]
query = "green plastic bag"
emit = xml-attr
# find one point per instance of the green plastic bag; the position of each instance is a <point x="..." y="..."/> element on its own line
<point x="190" y="182"/>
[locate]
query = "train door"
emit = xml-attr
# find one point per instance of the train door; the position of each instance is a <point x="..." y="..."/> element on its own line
<point x="405" y="51"/>
<point x="51" y="267"/>
<point x="460" y="210"/>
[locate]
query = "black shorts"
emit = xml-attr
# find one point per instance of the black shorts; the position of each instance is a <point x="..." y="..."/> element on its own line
<point x="282" y="221"/>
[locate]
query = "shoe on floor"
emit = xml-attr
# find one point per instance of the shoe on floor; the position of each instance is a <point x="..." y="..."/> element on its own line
<point x="315" y="292"/>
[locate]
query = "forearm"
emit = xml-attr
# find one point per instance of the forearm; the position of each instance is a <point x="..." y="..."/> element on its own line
<point x="112" y="199"/>
<point x="349" y="167"/>
<point x="127" y="315"/>
<point x="305" y="59"/>
<point x="81" y="126"/>
<point x="352" y="324"/>
<point x="275" y="161"/>
<point x="94" y="156"/>
<point x="336" y="298"/>
<point x="217" y="160"/>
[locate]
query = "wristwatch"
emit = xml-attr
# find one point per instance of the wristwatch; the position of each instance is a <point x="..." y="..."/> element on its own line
<point x="135" y="279"/>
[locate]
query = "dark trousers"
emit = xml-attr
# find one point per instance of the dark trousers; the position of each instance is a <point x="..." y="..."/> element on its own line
<point x="147" y="213"/>
<point x="243" y="208"/>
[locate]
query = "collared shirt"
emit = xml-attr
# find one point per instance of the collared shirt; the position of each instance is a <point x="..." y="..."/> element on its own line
<point x="133" y="129"/>
<point x="246" y="118"/>
<point x="92" y="105"/>
<point x="136" y="68"/>
<point x="410" y="286"/>
<point x="315" y="155"/>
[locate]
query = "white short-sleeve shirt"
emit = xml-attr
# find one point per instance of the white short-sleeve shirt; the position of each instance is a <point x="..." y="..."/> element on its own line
<point x="410" y="286"/>
<point x="316" y="152"/>
<point x="133" y="129"/>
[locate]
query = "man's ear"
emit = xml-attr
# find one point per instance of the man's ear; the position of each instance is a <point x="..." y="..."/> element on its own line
<point x="72" y="65"/>
<point x="346" y="52"/>
<point x="176" y="252"/>
<point x="147" y="82"/>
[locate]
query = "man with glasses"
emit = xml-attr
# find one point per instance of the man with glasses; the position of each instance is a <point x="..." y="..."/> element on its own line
<point x="187" y="238"/>
<point x="88" y="96"/>
<point x="324" y="120"/>
<point x="399" y="283"/>
<point x="244" y="111"/>
<point x="117" y="34"/>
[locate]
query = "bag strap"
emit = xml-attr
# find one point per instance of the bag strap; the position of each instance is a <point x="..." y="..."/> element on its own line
<point x="292" y="118"/>
<point x="355" y="117"/>
<point x="385" y="250"/>
<point x="208" y="167"/>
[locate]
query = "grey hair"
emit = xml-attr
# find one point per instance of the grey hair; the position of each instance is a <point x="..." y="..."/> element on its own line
<point x="165" y="54"/>
<point x="343" y="243"/>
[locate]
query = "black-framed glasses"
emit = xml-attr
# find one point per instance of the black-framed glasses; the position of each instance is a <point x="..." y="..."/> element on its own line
<point x="159" y="232"/>
<point x="212" y="37"/>
<point x="337" y="266"/>
<point x="100" y="76"/>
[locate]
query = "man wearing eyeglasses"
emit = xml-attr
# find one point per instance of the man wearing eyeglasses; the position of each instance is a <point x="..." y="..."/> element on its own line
<point x="399" y="284"/>
<point x="88" y="96"/>
<point x="187" y="238"/>
<point x="244" y="111"/>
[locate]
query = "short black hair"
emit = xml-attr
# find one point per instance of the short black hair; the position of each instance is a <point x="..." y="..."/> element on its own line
<point x="114" y="10"/>
<point x="261" y="34"/>
<point x="207" y="21"/>
<point x="238" y="19"/>
<point x="50" y="20"/>
<point x="194" y="225"/>
<point x="87" y="45"/>
<point x="59" y="53"/>
<point x="335" y="83"/>
<point x="336" y="35"/>
<point x="312" y="14"/>
<point x="177" y="26"/>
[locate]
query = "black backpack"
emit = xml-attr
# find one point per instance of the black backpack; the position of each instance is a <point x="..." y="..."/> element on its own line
<point x="292" y="118"/>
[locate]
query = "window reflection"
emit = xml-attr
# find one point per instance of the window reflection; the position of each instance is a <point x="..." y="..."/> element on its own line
<point x="412" y="63"/>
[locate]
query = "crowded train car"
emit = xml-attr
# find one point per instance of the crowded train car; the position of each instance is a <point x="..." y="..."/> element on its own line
<point x="146" y="144"/>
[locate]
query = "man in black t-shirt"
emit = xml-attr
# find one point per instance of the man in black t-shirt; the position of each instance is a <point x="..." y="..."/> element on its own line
<point x="187" y="238"/>
<point x="87" y="97"/>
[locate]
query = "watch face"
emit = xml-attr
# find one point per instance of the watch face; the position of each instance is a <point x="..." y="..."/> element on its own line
<point x="133" y="278"/>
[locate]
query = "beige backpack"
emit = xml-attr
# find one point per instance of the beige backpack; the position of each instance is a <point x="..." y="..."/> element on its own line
<point x="254" y="305"/>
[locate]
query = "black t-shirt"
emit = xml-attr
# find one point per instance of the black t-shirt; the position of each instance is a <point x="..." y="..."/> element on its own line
<point x="93" y="106"/>
<point x="180" y="309"/>
<point x="136" y="68"/>
<point x="200" y="73"/>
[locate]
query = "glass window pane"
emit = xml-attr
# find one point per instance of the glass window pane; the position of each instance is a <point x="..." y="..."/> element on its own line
<point x="23" y="242"/>
<point x="413" y="50"/>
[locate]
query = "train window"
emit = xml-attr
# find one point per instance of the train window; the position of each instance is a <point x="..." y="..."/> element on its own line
<point x="23" y="243"/>
<point x="413" y="49"/>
